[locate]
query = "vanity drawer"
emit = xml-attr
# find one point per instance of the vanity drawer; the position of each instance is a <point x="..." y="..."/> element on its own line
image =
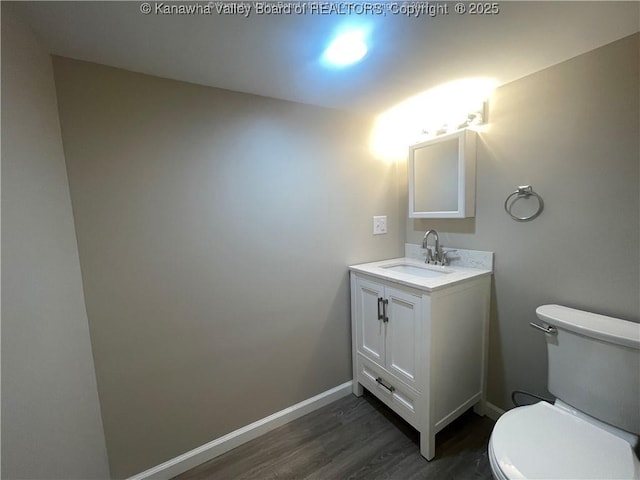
<point x="396" y="395"/>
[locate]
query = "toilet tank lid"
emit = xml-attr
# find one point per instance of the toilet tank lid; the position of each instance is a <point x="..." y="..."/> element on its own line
<point x="609" y="329"/>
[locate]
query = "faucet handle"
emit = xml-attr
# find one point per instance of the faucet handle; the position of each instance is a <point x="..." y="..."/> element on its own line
<point x="444" y="260"/>
<point x="440" y="257"/>
<point x="429" y="255"/>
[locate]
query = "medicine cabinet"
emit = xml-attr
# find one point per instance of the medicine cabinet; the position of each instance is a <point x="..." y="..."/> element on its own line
<point x="442" y="176"/>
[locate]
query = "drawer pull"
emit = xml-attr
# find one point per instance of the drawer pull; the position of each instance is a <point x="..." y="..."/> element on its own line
<point x="380" y="316"/>
<point x="382" y="384"/>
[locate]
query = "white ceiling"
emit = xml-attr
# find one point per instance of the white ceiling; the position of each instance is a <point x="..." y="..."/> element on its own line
<point x="278" y="55"/>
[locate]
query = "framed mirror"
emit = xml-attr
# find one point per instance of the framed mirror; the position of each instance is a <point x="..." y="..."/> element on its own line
<point x="442" y="176"/>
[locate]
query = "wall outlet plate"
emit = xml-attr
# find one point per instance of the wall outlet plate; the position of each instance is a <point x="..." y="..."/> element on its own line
<point x="379" y="224"/>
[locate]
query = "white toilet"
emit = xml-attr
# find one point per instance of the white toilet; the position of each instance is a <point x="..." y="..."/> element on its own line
<point x="592" y="429"/>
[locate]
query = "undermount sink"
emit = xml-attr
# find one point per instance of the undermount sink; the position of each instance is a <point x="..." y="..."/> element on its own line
<point x="410" y="269"/>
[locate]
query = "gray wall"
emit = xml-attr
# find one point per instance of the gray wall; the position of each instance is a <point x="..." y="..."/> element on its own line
<point x="214" y="231"/>
<point x="51" y="426"/>
<point x="571" y="131"/>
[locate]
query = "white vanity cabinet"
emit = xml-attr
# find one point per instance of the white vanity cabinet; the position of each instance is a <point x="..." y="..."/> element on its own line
<point x="421" y="351"/>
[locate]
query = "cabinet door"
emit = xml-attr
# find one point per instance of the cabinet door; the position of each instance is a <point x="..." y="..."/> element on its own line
<point x="403" y="331"/>
<point x="370" y="329"/>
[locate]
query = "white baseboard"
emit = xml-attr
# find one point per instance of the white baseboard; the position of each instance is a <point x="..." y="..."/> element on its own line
<point x="493" y="412"/>
<point x="221" y="445"/>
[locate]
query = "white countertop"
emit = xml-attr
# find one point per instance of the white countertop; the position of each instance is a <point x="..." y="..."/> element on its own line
<point x="452" y="274"/>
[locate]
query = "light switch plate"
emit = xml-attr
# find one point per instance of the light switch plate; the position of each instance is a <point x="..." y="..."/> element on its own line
<point x="379" y="224"/>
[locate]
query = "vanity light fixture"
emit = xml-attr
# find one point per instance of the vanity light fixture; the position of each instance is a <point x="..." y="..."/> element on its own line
<point x="442" y="109"/>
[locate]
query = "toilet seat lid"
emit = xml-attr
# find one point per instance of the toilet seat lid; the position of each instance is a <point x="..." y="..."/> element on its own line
<point x="558" y="444"/>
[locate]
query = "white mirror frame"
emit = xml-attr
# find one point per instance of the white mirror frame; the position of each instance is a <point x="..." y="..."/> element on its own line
<point x="466" y="175"/>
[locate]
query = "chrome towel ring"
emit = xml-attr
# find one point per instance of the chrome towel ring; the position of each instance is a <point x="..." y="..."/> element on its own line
<point x="523" y="191"/>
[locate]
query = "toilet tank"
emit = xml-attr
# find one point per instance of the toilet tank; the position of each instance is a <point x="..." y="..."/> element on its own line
<point x="594" y="364"/>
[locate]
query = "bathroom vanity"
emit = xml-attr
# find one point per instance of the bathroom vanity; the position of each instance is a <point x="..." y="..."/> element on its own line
<point x="419" y="337"/>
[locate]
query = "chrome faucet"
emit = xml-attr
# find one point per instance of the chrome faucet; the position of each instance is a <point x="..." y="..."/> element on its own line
<point x="436" y="257"/>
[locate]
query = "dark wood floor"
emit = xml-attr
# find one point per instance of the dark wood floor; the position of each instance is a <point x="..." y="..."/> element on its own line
<point x="355" y="438"/>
